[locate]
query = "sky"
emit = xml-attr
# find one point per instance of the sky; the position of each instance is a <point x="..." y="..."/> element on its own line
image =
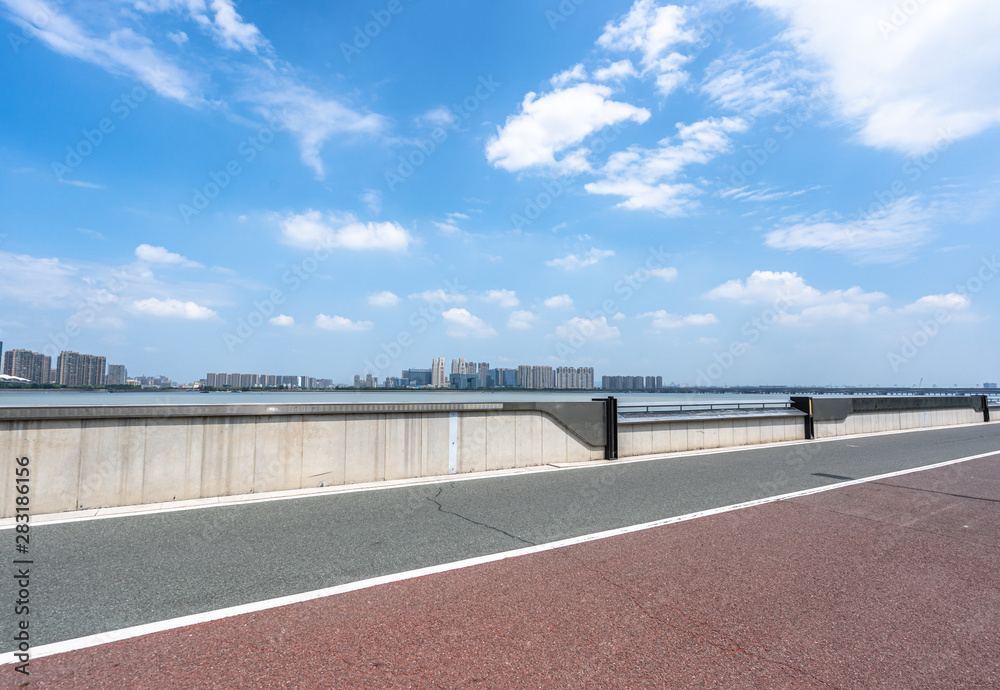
<point x="784" y="192"/>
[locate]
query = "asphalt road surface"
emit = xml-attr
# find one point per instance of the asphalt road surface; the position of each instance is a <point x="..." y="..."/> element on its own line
<point x="101" y="575"/>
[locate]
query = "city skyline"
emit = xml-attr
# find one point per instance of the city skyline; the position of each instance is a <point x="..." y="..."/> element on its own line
<point x="770" y="192"/>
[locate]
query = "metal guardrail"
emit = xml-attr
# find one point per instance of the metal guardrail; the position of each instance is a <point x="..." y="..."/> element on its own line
<point x="680" y="407"/>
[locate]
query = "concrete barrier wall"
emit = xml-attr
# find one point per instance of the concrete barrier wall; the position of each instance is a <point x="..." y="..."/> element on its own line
<point x="994" y="414"/>
<point x="647" y="438"/>
<point x="85" y="463"/>
<point x="873" y="422"/>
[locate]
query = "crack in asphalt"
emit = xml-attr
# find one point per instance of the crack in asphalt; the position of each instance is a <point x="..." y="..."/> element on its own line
<point x="467" y="519"/>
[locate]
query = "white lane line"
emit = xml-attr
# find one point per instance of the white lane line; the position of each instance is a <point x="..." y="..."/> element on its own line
<point x="195" y="619"/>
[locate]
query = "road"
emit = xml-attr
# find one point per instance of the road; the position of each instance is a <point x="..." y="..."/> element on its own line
<point x="95" y="576"/>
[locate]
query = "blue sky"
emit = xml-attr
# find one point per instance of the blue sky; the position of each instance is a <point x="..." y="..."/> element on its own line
<point x="780" y="191"/>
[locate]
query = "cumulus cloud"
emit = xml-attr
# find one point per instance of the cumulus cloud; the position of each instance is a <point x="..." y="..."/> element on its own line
<point x="172" y="309"/>
<point x="521" y="320"/>
<point x="645" y="176"/>
<point x="559" y="302"/>
<point x="159" y="255"/>
<point x="459" y="323"/>
<point x="662" y="320"/>
<point x="342" y="324"/>
<point x="769" y="287"/>
<point x="572" y="262"/>
<point x="281" y="320"/>
<point x="311" y="230"/>
<point x="786" y="292"/>
<point x="587" y="329"/>
<point x="616" y="71"/>
<point x="654" y="32"/>
<point x="504" y="298"/>
<point x="550" y="124"/>
<point x="665" y="274"/>
<point x="440" y="296"/>
<point x="383" y="299"/>
<point x="934" y="303"/>
<point x="903" y="80"/>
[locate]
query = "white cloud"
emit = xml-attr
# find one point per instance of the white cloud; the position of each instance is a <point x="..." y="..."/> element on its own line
<point x="341" y="324"/>
<point x="785" y="292"/>
<point x="933" y="303"/>
<point x="461" y="324"/>
<point x="36" y="282"/>
<point x="756" y="84"/>
<point x="771" y="287"/>
<point x="310" y="230"/>
<point x="521" y="320"/>
<point x="618" y="317"/>
<point x="504" y="298"/>
<point x="264" y="82"/>
<point x="903" y="80"/>
<point x="663" y="321"/>
<point x="885" y="235"/>
<point x="587" y="329"/>
<point x="640" y="174"/>
<point x="448" y="228"/>
<point x="122" y="51"/>
<point x="571" y="262"/>
<point x="664" y="274"/>
<point x="312" y="118"/>
<point x="383" y="299"/>
<point x="440" y="116"/>
<point x="575" y="73"/>
<point x="172" y="309"/>
<point x="654" y="32"/>
<point x="559" y="302"/>
<point x="440" y="296"/>
<point x="179" y="37"/>
<point x="281" y="320"/>
<point x="372" y="198"/>
<point x="616" y="71"/>
<point x="232" y="32"/>
<point x="555" y="122"/>
<point x="159" y="255"/>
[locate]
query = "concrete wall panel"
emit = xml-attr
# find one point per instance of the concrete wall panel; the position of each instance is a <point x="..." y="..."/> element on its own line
<point x="324" y="450"/>
<point x="528" y="439"/>
<point x="278" y="454"/>
<point x="501" y="444"/>
<point x="112" y="455"/>
<point x="472" y="442"/>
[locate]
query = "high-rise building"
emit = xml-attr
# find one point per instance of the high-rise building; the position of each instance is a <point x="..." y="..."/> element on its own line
<point x="525" y="379"/>
<point x="25" y="364"/>
<point x="118" y="375"/>
<point x="484" y="368"/>
<point x="438" y="377"/>
<point x="585" y="377"/>
<point x="458" y="366"/>
<point x="543" y="377"/>
<point x="74" y="369"/>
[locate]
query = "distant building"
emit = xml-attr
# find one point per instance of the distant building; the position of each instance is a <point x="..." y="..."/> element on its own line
<point x="117" y="375"/>
<point x="631" y="383"/>
<point x="75" y="369"/>
<point x="989" y="385"/>
<point x="438" y="377"/>
<point x="464" y="381"/>
<point x="25" y="364"/>
<point x="419" y="377"/>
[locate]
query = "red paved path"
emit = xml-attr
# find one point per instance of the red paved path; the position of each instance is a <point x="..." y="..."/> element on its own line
<point x="863" y="587"/>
